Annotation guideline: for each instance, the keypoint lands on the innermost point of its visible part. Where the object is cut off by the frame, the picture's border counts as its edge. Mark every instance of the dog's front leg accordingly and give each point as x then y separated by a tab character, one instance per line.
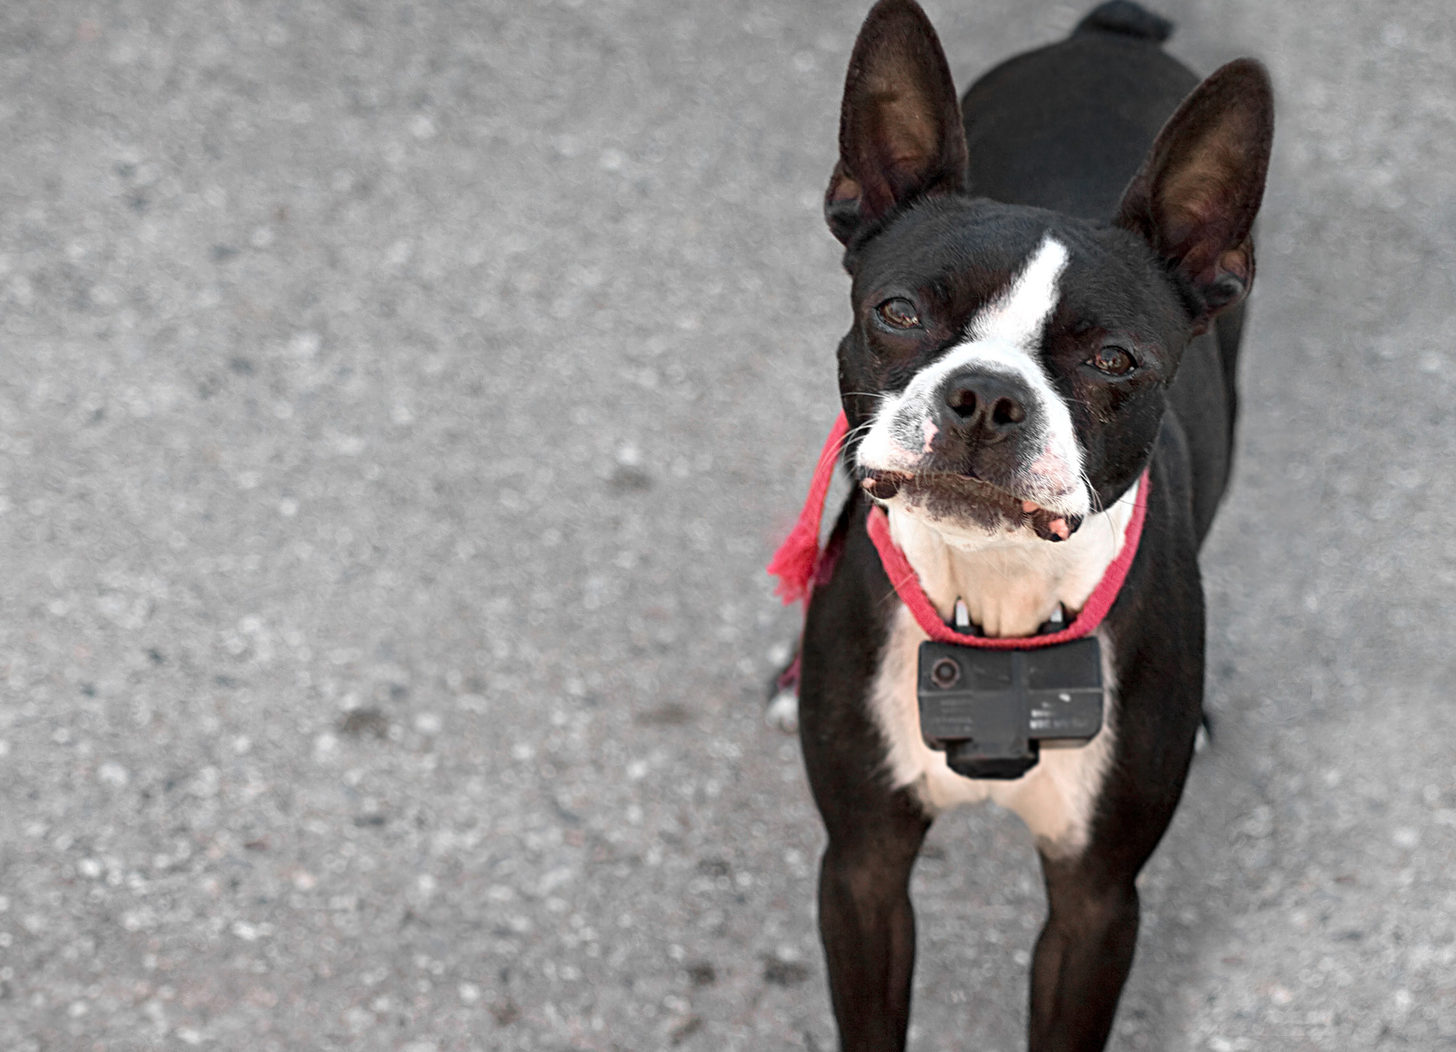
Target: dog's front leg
865	917
1086	947
1083	955
868	927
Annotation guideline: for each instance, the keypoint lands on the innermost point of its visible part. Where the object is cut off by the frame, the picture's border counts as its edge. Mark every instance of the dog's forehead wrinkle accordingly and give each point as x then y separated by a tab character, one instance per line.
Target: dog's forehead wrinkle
964	249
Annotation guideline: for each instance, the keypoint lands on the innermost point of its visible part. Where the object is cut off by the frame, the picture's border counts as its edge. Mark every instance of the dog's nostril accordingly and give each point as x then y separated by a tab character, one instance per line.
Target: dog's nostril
963	401
1007	411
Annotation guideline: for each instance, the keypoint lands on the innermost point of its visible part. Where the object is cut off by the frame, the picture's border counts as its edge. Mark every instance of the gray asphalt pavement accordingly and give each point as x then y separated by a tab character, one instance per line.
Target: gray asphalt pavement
398	402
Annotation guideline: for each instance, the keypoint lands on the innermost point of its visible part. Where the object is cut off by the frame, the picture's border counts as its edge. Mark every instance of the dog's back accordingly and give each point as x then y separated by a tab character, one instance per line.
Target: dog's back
1066	126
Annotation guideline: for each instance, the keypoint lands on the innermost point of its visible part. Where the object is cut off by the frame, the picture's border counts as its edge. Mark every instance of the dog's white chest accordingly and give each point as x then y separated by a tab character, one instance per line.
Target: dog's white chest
1055	799
1009	593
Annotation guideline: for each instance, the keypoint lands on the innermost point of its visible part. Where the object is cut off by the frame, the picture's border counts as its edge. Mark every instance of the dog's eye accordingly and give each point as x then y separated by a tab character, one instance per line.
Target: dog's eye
898	313
1114	361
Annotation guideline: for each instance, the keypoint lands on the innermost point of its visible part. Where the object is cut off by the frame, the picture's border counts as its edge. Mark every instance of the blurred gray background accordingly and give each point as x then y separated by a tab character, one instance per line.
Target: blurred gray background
398	402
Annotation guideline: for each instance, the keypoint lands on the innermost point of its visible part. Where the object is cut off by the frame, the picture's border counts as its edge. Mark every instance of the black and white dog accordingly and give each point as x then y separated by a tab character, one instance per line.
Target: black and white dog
1046	294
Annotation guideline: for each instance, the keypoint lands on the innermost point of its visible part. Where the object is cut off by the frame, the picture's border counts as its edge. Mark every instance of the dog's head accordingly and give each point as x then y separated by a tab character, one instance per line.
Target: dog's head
1007	367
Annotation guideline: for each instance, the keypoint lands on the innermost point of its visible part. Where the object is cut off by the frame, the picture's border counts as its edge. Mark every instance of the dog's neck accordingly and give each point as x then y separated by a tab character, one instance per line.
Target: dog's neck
1011	586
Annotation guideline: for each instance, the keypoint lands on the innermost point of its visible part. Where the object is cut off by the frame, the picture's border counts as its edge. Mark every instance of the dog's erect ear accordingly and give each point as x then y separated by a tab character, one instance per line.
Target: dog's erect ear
1195	198
900	132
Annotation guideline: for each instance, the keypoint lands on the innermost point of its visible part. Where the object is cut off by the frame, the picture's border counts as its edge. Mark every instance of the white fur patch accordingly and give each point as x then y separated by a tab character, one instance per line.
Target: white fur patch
1010	585
783	711
1004	337
1010	589
1019	315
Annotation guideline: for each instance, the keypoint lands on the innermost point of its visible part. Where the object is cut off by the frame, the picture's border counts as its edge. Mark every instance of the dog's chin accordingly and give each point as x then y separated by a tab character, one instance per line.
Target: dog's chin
969	506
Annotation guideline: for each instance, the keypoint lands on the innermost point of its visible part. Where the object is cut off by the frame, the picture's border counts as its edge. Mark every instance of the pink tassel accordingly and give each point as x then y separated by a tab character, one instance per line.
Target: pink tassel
798	557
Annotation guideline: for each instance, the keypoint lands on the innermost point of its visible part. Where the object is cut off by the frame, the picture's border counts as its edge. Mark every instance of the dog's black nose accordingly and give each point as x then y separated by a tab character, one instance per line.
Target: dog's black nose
990	406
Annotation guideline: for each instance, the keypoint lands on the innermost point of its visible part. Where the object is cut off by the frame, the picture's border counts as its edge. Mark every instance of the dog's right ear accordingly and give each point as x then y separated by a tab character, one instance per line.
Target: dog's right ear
900	133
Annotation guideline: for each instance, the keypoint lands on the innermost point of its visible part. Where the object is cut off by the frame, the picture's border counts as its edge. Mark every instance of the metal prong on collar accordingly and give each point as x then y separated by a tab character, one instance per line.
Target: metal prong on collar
1059	615
961	616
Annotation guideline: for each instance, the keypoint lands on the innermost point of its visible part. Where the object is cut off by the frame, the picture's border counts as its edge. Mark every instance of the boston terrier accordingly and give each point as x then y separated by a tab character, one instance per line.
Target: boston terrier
1038	408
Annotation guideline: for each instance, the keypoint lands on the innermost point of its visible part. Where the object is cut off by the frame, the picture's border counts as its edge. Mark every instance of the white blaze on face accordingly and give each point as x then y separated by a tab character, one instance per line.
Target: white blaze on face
1018	316
1005	337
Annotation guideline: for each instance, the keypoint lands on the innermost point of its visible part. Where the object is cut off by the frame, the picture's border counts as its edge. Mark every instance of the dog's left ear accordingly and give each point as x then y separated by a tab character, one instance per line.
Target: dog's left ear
1195	198
900	133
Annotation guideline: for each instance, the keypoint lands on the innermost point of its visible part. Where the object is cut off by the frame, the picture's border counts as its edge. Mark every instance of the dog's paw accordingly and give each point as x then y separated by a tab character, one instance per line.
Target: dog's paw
783	711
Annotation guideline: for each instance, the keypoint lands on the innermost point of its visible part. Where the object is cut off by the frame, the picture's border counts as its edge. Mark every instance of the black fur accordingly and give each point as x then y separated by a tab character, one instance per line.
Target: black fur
1121	16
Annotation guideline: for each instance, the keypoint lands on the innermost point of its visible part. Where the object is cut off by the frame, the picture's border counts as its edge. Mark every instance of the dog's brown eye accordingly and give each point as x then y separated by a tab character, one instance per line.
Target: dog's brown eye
898	313
1114	361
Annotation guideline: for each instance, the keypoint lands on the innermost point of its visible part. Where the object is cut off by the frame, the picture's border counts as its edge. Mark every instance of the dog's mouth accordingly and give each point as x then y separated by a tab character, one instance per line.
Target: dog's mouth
948	495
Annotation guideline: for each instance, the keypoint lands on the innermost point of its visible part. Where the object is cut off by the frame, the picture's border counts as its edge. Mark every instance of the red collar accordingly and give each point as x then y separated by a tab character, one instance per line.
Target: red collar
798	557
907	586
